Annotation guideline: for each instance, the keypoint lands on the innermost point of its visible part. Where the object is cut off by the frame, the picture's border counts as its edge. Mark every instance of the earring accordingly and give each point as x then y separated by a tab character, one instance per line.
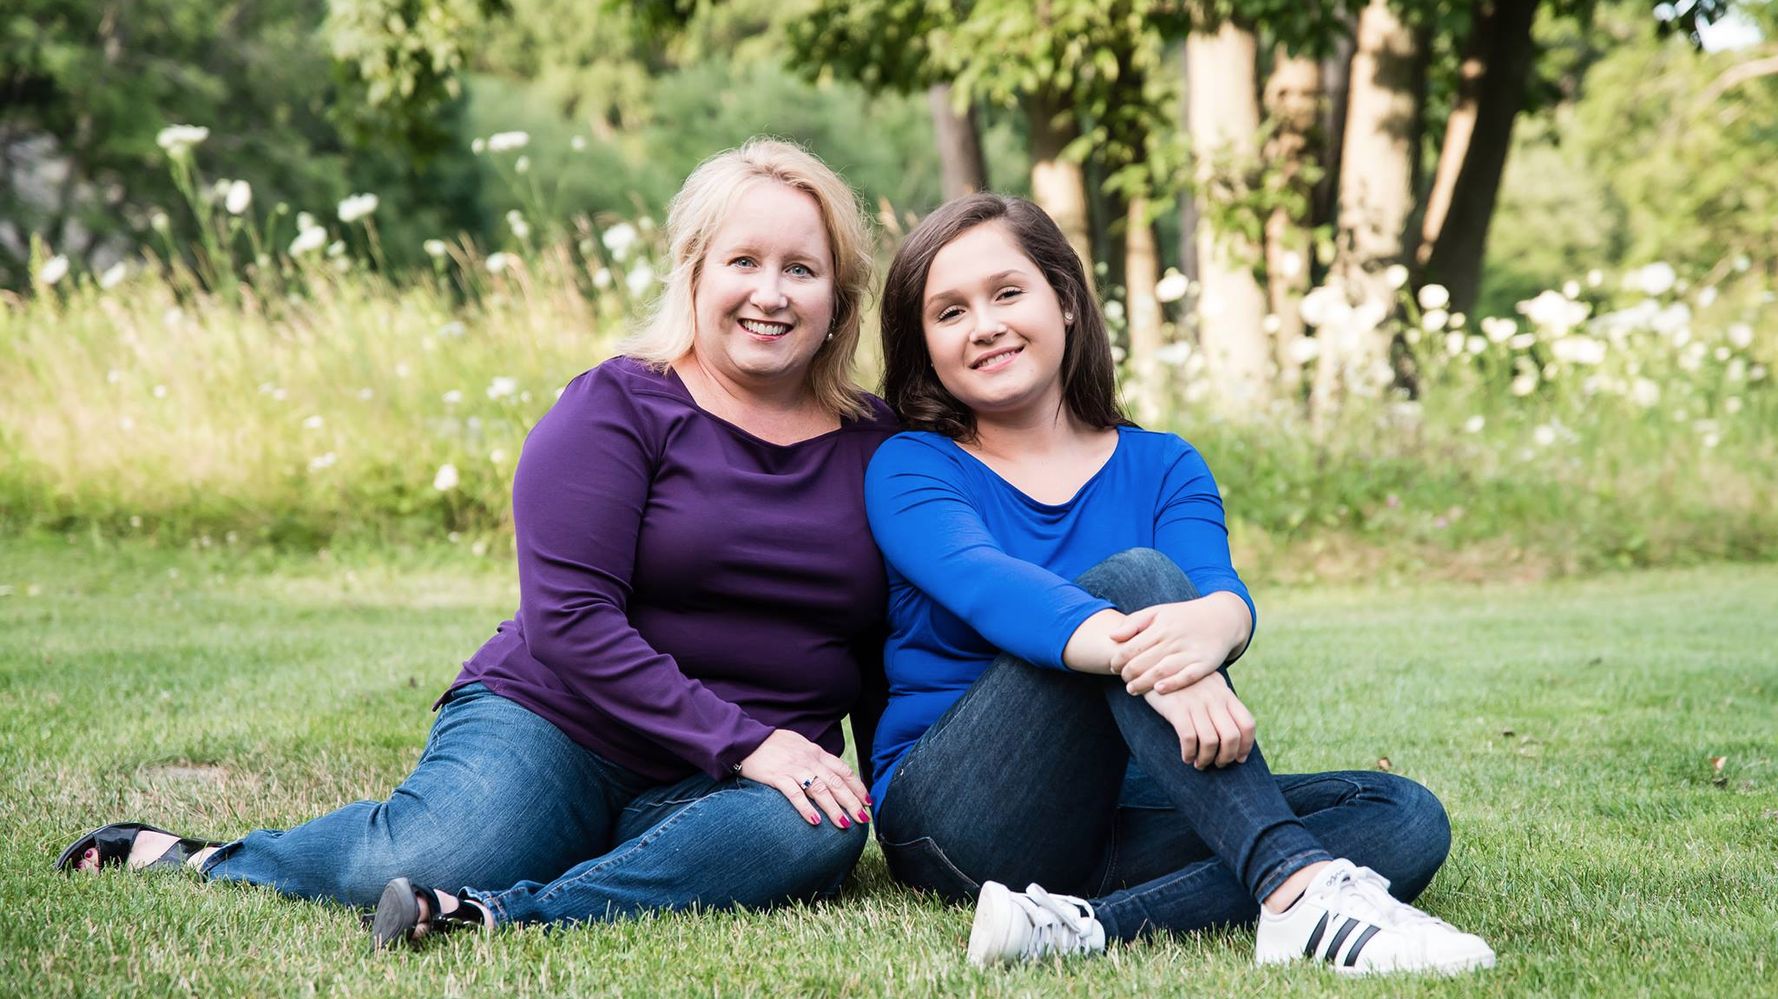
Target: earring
1067	317
830	336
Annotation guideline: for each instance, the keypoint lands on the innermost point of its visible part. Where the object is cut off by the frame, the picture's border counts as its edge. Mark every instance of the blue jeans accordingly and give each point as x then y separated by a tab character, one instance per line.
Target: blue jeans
1027	778
502	801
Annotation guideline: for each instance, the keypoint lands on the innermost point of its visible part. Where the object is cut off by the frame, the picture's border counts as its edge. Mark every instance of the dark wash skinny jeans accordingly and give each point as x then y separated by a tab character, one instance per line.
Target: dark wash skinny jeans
1023	780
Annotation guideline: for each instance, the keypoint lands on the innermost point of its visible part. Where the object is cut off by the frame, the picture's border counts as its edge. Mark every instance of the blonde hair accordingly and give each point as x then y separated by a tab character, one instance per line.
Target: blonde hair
698	211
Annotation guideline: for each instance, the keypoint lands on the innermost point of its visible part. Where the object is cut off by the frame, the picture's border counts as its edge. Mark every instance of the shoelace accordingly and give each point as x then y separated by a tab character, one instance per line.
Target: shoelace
1371	890
1057	923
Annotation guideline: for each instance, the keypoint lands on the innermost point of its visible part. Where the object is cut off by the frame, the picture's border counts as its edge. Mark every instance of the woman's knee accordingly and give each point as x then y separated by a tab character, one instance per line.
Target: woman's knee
1137	578
814	860
1421	835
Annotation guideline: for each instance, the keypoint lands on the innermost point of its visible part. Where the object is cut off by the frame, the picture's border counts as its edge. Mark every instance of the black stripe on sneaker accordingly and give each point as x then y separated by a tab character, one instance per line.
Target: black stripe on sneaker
1358	945
1315	937
1333	948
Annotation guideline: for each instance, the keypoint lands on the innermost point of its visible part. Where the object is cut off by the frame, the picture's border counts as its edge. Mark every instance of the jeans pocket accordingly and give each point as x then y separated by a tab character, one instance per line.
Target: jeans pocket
919	863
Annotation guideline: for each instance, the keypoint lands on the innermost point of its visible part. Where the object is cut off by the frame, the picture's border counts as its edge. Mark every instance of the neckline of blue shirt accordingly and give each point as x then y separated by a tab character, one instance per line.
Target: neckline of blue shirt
1027	498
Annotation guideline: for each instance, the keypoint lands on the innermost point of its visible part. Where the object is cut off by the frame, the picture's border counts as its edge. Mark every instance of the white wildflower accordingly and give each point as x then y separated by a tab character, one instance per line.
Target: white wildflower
1571	289
1524	384
178	140
1722	353
640	278
516	222
451	329
502	142
113	376
323	461
577	143
498	456
478	145
1395	275
238	198
1707	297
1498	329
1434	320
1741	336
159	391
1323	306
522	165
446	479
336	249
1454	343
1645	393
1578	350
308	241
502	386
1544	435
114	275
54	269
1655	279
1172	286
1732	405
1595	278
602	278
1757	373
452	397
313	423
1477	344
1474	424
498	262
1290	264
357	206
1114	311
1174	354
367	394
435	248
1433	296
1458	320
159	221
1553	313
618	239
1303	349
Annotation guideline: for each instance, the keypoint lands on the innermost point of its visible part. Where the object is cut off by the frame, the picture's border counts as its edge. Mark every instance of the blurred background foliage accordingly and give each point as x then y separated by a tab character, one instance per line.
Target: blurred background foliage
1298	214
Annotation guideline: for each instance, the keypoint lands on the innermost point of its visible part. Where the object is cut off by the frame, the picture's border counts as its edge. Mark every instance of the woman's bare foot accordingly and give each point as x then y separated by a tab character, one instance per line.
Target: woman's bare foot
449	904
148	847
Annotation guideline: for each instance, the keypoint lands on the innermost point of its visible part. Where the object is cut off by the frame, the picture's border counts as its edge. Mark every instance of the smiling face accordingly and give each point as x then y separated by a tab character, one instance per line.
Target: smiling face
764	299
994	326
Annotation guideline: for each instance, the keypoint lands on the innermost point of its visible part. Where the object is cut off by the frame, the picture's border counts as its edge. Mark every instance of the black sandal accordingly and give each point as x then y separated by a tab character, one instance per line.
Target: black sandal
398	915
114	843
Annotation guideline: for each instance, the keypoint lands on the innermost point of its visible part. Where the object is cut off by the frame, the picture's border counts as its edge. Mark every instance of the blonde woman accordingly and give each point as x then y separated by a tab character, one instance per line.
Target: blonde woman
700	604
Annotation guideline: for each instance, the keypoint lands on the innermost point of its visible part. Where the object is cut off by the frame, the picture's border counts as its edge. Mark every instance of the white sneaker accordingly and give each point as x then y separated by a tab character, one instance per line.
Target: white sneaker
1348	919
1016	926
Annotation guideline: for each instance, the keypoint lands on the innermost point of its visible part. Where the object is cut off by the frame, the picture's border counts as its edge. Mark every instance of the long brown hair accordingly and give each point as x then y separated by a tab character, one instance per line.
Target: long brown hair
911	386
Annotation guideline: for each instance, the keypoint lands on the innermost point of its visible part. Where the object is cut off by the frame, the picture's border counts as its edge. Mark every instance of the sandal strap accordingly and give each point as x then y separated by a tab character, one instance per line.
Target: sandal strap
114	843
467	912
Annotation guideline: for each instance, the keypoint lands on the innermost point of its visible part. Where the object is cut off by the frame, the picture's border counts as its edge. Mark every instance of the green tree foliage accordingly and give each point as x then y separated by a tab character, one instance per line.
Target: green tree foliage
86	85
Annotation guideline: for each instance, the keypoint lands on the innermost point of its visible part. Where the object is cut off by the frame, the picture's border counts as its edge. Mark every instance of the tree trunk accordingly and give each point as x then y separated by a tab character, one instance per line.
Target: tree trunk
1224	118
1336	81
1142	270
1057	184
1376	202
1496	64
1293	99
959	144
1188	207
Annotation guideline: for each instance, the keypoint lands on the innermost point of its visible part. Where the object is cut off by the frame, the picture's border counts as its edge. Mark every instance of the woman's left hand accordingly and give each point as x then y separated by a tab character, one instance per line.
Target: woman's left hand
1169	647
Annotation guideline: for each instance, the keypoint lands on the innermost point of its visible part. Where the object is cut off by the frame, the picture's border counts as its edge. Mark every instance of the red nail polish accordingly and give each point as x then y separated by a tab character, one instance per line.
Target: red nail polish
868	801
843	824
863	816
814	820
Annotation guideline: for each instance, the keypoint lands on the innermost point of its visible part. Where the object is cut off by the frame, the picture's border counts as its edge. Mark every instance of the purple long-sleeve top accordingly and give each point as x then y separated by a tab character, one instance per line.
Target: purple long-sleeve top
684	586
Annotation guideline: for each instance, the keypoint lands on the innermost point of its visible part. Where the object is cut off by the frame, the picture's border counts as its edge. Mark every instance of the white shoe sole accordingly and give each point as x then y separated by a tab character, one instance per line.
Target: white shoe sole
1475	962
989	936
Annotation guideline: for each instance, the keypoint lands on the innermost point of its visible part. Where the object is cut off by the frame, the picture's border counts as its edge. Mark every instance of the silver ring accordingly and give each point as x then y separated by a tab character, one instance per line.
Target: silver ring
809	781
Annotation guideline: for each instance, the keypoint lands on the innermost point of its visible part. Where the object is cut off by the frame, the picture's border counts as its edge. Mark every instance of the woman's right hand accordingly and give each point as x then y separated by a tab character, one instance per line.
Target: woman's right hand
1215	728
809	777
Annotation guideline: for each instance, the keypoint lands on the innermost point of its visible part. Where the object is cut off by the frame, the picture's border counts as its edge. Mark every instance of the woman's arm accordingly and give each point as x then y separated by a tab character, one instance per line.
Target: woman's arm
582	482
929	530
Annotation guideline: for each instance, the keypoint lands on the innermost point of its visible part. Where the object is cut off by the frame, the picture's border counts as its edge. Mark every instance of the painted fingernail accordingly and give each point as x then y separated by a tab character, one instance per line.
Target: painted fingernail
867	800
863	816
843	824
814	820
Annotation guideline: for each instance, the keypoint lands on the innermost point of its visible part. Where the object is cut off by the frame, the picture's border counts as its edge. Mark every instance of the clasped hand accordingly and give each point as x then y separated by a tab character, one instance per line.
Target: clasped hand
809	777
1171	646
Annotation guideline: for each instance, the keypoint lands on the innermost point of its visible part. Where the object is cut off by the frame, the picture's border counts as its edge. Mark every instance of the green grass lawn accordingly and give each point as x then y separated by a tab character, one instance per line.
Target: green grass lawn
1569	727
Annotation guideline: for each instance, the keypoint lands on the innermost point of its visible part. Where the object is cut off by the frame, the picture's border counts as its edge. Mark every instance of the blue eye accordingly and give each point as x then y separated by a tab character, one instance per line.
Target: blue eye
801	270
741	262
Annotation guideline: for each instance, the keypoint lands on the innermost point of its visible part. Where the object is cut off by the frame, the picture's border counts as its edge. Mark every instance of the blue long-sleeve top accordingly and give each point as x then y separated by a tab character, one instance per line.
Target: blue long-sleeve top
977	567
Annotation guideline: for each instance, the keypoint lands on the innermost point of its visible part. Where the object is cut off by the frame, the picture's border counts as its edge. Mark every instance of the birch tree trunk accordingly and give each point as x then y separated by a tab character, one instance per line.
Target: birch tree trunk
1293	99
1058	185
1376	198
1224	119
959	144
1142	271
